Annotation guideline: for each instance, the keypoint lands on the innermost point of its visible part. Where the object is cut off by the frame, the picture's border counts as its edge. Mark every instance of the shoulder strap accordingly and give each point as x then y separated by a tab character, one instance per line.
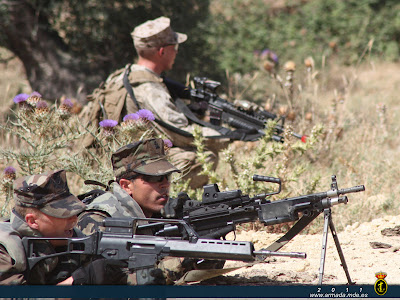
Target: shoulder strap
129	89
225	132
128	86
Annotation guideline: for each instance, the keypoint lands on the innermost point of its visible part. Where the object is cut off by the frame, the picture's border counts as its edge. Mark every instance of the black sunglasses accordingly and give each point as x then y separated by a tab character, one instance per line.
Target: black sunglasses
153	179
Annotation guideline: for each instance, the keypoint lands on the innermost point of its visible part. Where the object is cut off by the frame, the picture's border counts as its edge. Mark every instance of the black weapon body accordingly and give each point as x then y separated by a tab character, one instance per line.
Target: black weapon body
120	242
219	212
251	122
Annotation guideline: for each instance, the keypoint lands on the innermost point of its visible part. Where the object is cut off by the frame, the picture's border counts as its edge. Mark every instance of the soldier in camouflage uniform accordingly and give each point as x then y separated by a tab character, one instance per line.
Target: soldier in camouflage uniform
157	46
44	207
141	190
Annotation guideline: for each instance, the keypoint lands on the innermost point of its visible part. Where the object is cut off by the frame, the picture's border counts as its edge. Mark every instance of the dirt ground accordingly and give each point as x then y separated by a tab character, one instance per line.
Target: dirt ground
367	250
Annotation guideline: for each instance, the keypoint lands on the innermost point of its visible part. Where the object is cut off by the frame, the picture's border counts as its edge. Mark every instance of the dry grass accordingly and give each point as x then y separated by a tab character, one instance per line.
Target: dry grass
360	105
361	149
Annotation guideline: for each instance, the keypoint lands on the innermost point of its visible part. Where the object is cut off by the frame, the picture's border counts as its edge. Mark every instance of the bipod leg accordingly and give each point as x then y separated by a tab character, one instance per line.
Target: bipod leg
327	217
339	250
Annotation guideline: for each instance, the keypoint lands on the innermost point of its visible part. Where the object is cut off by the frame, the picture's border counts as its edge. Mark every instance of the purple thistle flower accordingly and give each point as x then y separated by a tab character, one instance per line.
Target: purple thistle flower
42	105
10	170
131	117
9	175
20	98
68	103
168	143
146	114
36	94
265	53
108	123
274	57
268	54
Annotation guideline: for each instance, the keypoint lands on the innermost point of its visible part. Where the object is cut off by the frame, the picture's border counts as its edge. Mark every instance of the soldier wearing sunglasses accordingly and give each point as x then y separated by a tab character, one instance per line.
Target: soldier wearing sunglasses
141	189
142	174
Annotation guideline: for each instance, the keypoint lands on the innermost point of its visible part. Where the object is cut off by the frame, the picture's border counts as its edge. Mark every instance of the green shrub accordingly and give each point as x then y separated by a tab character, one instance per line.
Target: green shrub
337	29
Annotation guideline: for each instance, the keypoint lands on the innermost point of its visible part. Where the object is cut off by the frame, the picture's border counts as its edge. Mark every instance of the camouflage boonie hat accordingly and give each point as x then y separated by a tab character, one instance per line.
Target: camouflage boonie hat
144	157
156	33
49	193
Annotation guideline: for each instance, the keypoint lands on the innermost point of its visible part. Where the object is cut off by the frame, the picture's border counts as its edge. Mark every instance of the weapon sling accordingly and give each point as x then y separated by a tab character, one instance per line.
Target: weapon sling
129	89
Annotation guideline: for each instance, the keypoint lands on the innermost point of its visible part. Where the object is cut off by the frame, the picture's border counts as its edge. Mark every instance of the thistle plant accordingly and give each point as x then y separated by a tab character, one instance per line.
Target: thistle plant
6	188
50	138
271	159
42	134
310	65
95	163
64	110
382	117
34	99
290	68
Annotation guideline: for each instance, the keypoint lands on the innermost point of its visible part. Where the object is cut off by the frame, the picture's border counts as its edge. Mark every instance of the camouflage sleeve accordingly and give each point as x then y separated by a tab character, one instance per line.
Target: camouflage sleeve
8	275
91	221
173	268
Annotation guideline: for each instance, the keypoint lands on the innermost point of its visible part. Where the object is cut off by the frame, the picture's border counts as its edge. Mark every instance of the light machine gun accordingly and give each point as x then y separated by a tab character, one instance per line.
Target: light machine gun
250	122
219	212
120	243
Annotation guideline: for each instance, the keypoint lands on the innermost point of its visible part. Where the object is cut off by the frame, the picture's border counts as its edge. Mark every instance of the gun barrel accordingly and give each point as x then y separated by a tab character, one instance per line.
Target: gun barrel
263	254
354	189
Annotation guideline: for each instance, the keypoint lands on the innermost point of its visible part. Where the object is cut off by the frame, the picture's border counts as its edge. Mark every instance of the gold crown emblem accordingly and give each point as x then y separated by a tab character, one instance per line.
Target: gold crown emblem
380	275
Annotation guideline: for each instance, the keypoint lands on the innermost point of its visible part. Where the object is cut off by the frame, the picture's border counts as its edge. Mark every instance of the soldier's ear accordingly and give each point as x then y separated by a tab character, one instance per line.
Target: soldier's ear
124	183
30	219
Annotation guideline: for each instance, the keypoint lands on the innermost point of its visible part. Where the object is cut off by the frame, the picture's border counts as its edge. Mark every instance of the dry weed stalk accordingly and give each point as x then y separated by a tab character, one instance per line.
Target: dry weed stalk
6	188
382	117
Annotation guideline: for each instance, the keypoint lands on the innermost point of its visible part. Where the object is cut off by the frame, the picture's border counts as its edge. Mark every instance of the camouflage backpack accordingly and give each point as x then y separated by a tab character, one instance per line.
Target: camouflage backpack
108	100
98	108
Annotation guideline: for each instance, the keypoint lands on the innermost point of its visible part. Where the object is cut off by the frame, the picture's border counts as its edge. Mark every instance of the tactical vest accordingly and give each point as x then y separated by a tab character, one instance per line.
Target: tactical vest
118	204
10	239
51	270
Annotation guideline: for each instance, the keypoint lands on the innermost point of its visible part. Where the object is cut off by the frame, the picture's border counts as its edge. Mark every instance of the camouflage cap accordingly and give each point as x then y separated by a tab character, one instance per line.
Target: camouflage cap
144	157
156	33
49	193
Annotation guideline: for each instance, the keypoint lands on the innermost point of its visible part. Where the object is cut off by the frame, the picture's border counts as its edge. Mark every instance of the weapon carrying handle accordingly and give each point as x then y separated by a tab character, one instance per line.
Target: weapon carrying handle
266	179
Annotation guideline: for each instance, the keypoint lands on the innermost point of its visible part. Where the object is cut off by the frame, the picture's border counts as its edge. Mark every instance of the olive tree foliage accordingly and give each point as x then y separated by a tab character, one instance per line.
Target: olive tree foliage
69	46
338	30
